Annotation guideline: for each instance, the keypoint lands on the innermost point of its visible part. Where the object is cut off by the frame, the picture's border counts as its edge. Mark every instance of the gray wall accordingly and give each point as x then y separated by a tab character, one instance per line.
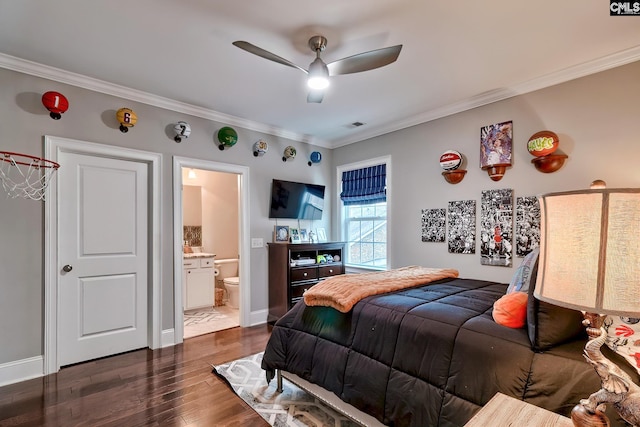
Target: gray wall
596	117
91	117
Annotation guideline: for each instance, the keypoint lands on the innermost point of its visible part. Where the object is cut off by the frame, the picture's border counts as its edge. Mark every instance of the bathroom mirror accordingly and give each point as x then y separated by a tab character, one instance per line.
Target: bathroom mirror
192	205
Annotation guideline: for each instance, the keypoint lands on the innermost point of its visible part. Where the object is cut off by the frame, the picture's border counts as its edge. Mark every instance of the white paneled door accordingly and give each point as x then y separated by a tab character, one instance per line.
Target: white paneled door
103	253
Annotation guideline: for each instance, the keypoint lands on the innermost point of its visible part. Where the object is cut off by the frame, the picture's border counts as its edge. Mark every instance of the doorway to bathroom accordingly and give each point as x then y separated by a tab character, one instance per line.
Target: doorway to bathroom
210	258
210	251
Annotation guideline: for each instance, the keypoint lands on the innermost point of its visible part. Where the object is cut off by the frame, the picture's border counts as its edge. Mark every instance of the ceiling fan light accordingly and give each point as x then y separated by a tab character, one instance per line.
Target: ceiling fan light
318	75
318	83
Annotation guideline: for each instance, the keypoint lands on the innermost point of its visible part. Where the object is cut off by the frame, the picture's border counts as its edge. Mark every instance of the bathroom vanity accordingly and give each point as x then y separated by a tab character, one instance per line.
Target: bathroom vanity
198	280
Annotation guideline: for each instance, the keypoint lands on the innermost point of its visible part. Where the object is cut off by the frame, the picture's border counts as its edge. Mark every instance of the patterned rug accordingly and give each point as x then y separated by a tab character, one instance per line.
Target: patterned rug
292	407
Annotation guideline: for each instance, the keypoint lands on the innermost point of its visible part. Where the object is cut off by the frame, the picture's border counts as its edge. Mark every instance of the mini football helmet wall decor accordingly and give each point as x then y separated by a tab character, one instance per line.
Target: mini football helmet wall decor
182	130
56	103
289	153
260	148
227	137
315	157
127	119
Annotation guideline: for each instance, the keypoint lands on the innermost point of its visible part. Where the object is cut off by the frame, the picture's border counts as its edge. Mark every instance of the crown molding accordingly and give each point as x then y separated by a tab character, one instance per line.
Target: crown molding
51	73
601	64
58	75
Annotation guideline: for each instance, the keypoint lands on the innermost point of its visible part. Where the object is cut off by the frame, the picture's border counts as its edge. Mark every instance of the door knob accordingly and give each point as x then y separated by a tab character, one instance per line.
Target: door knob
67	268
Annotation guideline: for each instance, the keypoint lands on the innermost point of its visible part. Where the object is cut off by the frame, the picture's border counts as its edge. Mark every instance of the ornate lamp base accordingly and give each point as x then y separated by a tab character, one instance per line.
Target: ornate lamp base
581	417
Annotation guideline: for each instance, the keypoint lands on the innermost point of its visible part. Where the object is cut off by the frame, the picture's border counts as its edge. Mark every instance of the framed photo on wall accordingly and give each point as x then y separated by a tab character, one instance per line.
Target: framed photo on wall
496	144
281	233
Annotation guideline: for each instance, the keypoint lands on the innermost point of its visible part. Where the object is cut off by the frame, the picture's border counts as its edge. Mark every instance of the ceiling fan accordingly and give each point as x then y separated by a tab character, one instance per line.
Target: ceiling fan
319	72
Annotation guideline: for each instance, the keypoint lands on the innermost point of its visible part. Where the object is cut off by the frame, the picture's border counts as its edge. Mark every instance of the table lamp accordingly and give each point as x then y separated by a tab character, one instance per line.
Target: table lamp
590	261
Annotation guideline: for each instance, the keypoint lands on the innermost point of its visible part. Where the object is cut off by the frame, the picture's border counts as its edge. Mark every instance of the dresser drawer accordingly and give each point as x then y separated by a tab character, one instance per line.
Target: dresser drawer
297	291
329	270
300	274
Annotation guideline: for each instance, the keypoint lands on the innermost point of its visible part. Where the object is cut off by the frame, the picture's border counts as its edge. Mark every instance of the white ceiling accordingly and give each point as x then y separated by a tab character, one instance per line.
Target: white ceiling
178	54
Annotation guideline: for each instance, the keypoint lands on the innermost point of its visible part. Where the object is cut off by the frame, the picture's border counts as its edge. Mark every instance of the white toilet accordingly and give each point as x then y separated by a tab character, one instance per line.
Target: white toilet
227	271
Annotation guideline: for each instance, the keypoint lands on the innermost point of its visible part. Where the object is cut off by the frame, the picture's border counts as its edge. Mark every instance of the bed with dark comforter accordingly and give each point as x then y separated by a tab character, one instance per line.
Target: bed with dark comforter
432	355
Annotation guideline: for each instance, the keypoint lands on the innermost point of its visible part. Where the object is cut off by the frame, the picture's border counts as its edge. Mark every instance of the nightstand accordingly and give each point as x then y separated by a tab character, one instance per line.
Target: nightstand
503	410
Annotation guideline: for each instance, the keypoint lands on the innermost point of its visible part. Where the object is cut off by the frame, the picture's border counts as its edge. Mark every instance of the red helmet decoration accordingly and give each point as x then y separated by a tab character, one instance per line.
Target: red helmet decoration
56	103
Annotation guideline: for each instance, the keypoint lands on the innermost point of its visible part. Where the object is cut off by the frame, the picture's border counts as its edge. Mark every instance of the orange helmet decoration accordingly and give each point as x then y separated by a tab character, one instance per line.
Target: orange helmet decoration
56	103
543	143
127	118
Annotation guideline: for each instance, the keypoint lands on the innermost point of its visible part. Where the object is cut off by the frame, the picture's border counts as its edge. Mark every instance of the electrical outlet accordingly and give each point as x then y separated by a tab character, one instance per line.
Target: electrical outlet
257	242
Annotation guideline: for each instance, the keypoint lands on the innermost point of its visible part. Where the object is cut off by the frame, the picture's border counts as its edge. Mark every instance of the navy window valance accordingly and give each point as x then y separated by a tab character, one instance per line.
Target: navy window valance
364	186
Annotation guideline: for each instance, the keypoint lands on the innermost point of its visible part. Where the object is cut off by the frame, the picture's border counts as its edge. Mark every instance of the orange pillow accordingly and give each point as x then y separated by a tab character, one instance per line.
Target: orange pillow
511	310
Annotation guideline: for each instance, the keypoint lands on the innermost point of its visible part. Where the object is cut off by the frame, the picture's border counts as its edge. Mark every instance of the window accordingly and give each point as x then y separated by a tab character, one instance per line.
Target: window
364	197
366	227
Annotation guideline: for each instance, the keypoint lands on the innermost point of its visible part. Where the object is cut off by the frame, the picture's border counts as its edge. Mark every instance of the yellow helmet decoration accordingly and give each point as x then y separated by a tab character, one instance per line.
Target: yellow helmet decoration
127	118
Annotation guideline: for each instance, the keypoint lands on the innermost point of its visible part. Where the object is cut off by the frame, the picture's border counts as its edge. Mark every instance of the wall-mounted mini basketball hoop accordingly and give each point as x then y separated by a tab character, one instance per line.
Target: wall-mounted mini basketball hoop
26	176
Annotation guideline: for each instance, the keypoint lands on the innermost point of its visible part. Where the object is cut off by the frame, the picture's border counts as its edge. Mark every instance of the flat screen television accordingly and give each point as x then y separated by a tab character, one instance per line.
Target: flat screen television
296	200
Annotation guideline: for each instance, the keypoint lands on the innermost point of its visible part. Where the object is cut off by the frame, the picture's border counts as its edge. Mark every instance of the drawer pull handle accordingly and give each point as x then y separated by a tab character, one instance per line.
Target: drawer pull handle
330	271
304	291
304	274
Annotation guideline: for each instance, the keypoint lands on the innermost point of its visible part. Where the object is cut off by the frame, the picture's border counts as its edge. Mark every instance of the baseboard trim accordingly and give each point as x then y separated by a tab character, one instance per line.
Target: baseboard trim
167	338
21	370
258	317
33	367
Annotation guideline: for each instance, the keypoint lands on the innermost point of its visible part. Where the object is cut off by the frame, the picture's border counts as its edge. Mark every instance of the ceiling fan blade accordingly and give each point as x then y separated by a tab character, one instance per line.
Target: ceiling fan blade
266	54
365	61
315	95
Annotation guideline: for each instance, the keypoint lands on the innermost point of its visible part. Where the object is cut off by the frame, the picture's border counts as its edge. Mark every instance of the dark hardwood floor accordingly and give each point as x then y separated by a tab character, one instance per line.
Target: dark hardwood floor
172	386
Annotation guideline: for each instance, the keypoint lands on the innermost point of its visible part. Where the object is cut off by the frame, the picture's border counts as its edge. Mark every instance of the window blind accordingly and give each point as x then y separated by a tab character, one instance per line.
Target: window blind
364	186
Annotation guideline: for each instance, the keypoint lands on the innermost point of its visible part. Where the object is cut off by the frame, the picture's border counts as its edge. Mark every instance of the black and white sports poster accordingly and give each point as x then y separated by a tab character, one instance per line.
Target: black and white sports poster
527	225
433	225
461	236
496	227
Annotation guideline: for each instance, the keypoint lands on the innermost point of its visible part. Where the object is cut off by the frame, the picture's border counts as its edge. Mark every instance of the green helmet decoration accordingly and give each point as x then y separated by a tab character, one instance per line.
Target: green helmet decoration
227	137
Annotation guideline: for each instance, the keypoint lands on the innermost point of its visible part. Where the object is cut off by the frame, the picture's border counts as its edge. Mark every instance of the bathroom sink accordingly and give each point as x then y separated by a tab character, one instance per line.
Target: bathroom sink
198	255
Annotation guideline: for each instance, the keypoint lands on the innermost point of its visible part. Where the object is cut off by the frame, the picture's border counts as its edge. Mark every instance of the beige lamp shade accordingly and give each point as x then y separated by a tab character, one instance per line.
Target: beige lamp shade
590	251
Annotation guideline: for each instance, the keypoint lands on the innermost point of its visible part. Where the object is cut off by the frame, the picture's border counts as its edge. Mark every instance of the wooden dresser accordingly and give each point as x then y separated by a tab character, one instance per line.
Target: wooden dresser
293	268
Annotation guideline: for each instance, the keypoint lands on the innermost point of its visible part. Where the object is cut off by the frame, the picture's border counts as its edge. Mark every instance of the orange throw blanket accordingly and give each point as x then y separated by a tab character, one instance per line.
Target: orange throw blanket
344	291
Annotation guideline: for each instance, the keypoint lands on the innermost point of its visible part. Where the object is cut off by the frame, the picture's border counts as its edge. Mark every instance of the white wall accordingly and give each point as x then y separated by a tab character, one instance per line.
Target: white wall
597	119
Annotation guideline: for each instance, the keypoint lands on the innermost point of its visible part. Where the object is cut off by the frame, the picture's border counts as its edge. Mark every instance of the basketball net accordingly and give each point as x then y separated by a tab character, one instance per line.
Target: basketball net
25	176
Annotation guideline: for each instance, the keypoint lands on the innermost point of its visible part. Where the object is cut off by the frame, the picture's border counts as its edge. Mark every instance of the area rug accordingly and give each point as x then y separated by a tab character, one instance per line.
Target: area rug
292	407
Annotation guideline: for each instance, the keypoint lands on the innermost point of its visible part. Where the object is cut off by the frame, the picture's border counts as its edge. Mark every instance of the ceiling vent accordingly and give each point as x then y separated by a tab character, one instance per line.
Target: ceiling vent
355	125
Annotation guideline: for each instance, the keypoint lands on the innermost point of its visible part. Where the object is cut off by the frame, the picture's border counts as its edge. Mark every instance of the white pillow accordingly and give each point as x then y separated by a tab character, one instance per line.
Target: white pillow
520	281
623	337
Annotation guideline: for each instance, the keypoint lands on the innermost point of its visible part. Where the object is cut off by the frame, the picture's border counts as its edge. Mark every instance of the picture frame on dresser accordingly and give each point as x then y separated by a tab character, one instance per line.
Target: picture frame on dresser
322	235
294	234
304	236
281	234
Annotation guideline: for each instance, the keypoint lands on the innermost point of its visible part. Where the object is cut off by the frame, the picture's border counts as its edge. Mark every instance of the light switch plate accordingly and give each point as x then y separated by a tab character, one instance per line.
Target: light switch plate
257	242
